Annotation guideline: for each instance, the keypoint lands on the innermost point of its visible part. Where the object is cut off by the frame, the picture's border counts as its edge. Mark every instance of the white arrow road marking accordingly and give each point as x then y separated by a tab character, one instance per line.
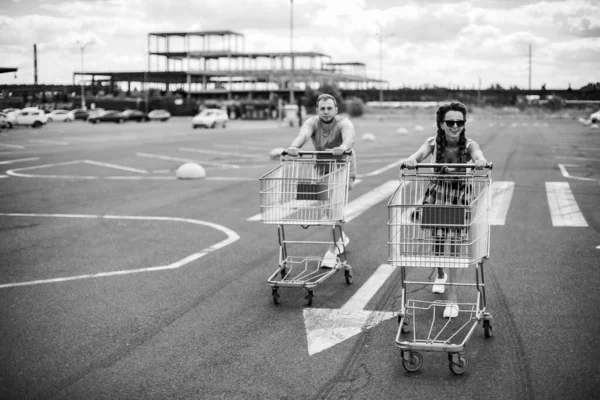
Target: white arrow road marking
221	153
563	207
12	146
17	172
502	193
563	170
231	237
141	171
327	327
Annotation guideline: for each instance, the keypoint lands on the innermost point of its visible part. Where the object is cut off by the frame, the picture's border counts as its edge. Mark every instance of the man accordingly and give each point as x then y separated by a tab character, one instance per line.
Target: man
329	131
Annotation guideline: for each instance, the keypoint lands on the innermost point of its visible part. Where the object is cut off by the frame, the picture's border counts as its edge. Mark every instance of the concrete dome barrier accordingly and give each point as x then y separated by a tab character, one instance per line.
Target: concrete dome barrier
190	170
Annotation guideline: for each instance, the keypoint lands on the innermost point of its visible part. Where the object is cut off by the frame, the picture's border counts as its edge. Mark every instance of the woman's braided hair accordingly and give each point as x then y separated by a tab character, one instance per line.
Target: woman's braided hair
440	139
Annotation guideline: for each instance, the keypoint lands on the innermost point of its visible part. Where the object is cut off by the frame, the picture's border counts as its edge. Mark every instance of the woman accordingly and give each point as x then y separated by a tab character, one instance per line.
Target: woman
449	146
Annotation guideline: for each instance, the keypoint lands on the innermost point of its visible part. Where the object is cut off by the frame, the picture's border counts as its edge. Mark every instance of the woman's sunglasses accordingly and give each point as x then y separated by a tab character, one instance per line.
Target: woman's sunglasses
451	123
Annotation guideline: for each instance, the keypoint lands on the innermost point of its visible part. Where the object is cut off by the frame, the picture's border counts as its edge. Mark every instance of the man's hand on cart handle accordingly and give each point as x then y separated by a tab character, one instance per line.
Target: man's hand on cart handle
409	163
338	151
291	151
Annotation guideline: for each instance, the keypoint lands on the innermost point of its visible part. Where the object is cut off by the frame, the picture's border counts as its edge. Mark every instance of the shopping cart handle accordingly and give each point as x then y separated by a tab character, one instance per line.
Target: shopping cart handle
314	152
488	165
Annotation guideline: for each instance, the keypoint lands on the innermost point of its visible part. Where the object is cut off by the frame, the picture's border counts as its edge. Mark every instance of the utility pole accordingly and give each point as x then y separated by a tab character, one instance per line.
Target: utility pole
381	63
293	78
82	47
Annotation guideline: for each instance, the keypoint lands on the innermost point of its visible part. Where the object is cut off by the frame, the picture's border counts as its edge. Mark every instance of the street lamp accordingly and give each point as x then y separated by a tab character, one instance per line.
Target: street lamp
292	79
82	47
381	37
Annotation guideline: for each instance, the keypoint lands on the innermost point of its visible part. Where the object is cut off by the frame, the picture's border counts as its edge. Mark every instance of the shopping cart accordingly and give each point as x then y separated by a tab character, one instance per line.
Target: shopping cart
451	232
311	189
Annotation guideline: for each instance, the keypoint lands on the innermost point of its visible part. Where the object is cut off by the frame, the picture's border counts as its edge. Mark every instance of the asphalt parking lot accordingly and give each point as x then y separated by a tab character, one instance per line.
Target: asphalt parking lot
119	280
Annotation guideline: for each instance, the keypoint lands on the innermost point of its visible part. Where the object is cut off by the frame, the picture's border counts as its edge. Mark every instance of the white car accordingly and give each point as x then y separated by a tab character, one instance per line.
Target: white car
210	118
61	115
31	116
595	117
7	120
160	115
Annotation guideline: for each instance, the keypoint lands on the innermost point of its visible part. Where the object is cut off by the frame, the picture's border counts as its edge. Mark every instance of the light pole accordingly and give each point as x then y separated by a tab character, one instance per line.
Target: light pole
82	47
381	61
292	79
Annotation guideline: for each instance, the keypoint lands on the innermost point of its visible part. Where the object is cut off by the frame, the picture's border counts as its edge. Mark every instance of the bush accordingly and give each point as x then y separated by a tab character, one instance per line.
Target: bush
355	107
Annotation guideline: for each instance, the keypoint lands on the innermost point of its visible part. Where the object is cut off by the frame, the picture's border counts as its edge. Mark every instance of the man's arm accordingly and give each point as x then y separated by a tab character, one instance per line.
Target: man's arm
303	136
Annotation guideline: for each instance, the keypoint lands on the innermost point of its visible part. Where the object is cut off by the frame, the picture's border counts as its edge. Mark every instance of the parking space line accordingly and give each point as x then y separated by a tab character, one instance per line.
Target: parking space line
564	210
179	159
231	238
220	153
51	142
13	146
563	171
19	160
502	193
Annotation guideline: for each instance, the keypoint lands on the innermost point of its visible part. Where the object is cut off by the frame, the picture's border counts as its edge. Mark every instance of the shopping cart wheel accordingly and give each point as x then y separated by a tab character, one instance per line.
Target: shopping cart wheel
414	361
348	276
458	363
405	328
276	295
309	297
487	328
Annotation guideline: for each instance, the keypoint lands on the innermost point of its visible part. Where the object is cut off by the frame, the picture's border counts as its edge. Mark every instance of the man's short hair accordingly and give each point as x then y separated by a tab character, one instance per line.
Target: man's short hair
326	96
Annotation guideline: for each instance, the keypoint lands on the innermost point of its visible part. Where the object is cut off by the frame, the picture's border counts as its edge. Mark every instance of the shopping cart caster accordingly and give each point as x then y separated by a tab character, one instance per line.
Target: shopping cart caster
275	294
487	328
309	297
349	277
458	363
405	328
412	360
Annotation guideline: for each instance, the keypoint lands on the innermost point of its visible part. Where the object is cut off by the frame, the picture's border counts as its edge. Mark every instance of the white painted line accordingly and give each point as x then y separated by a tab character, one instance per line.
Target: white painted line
19	160
380	170
235	146
231	237
563	207
360	299
564	173
141	171
85	139
502	193
52	142
221	153
13	146
3	176
576	158
368	200
178	159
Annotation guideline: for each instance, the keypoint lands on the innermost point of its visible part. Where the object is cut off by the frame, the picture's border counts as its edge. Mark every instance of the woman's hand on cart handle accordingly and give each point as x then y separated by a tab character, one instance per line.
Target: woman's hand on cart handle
409	163
412	164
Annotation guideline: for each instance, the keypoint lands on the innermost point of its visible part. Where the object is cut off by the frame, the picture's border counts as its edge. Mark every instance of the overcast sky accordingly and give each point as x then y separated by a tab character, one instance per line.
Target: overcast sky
434	42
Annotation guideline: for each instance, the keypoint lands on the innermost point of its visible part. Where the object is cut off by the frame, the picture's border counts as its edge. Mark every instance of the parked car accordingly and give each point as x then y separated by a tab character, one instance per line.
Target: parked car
7	120
10	110
210	118
107	116
61	115
136	115
595	117
160	115
31	116
81	114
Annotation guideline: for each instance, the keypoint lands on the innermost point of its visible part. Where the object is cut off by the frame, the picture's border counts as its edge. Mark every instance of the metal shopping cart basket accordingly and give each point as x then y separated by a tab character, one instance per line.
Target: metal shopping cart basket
311	189
439	218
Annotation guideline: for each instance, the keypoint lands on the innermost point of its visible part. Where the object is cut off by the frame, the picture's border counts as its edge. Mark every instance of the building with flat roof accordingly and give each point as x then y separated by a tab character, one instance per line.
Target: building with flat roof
214	64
